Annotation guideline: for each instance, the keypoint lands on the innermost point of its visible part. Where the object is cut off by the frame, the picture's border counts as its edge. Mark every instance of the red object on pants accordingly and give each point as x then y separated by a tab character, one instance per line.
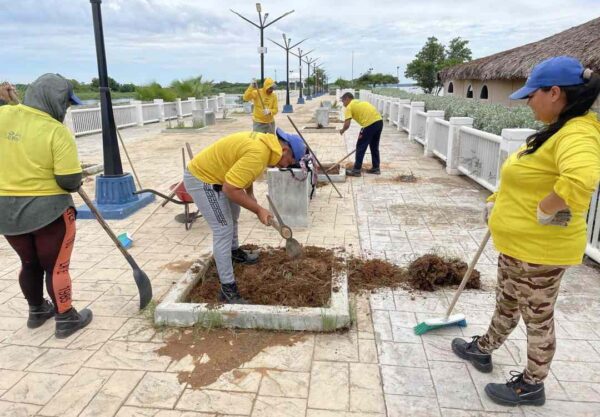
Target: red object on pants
47	250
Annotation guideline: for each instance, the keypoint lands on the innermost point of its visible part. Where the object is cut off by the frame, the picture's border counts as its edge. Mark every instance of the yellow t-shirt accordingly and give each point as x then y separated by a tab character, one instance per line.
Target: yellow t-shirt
237	159
569	164
34	148
269	100
363	112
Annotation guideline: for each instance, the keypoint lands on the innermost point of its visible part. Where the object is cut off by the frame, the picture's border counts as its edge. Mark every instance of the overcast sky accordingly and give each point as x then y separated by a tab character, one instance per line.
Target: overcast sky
164	40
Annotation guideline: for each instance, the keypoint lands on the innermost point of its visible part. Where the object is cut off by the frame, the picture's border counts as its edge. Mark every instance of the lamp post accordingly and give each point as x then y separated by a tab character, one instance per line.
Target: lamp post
300	55
287	46
309	62
398	74
115	198
316	75
261	27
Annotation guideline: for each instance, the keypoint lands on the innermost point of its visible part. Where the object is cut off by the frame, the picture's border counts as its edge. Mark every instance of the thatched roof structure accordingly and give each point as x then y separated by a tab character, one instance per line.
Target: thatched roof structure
581	42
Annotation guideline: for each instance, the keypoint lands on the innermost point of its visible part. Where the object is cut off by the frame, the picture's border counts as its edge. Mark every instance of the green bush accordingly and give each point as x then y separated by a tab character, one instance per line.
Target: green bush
488	117
155	90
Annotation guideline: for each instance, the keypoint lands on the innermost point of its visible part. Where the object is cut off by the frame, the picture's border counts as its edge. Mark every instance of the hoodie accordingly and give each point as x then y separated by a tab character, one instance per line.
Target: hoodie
568	163
238	159
50	94
269	100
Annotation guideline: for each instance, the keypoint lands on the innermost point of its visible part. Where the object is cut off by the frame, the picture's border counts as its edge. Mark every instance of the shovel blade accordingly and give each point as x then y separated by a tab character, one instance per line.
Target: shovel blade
144	287
293	249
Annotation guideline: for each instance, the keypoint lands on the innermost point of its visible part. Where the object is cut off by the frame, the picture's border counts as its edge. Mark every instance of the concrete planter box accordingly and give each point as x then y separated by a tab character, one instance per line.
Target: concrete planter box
341	177
174	311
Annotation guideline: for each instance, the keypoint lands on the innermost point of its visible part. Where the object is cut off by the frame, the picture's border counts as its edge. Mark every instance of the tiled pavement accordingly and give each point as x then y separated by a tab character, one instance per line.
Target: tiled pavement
378	368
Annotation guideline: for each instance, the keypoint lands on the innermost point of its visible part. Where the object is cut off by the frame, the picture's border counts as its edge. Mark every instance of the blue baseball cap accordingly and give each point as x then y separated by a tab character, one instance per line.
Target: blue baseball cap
295	142
74	99
559	70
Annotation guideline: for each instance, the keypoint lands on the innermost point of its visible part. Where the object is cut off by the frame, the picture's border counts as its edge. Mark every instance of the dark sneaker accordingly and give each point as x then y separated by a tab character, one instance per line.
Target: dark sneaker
516	392
229	294
69	322
375	171
39	314
469	351
244	256
353	173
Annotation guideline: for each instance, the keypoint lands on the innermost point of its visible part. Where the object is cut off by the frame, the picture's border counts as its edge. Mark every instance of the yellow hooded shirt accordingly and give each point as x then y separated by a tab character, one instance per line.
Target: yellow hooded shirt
269	100
568	163
237	159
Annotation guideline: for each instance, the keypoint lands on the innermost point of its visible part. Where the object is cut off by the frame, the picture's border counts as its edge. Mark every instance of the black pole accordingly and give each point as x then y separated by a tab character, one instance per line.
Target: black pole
287	81
110	145
262	56
300	61
307	77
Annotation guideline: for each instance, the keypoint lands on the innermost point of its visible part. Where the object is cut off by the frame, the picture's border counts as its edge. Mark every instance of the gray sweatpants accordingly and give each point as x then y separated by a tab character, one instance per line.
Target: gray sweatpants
263	127
222	215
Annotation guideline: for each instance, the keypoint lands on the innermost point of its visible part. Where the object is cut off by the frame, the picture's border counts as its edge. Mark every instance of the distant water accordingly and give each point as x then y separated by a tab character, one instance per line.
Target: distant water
91	103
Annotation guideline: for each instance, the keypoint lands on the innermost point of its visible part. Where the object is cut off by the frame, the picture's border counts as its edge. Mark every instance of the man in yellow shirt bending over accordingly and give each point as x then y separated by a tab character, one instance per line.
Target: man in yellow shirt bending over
265	106
369	119
220	179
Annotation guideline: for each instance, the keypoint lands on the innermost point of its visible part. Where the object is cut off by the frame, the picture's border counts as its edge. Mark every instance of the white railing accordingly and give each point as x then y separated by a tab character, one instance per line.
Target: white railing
394	108
593	227
151	113
170	110
125	116
439	136
186	108
404	119
478	156
418	130
86	121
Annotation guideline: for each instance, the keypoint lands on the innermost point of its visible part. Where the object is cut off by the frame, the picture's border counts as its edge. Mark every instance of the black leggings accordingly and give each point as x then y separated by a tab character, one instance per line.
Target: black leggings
47	250
368	138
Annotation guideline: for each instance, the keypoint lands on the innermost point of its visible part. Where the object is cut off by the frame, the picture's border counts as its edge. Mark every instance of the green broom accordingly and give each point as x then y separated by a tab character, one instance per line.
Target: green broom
455	319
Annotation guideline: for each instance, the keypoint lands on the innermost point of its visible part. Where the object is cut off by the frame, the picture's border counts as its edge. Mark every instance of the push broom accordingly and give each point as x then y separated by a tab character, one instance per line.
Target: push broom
455	319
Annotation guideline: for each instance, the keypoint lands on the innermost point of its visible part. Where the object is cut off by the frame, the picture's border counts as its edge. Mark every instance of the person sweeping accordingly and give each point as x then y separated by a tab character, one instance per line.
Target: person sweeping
265	105
220	180
39	168
538	224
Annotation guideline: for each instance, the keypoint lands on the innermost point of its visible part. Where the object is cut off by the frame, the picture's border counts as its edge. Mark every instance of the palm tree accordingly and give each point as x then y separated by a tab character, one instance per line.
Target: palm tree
192	87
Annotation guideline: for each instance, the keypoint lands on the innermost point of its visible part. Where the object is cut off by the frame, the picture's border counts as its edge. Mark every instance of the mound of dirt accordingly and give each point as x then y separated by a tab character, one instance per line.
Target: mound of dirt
405	178
431	271
371	274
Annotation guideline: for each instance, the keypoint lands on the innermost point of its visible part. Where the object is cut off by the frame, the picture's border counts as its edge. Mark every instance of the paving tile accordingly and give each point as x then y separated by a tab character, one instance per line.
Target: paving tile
238	380
407	381
576	371
291	358
60	361
77	393
554	408
18	358
91	339
336	347
438	348
18	410
382	300
284	384
582	391
156	389
36	388
279	407
401	406
135	330
216	402
32	337
329	386
402	354
454	386
381	325
9	378
449	412
129	355
367	351
113	394
327	413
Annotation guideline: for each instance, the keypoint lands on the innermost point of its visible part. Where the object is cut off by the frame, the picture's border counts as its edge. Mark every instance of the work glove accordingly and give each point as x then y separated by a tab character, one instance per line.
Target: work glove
487	211
266	112
254	84
560	218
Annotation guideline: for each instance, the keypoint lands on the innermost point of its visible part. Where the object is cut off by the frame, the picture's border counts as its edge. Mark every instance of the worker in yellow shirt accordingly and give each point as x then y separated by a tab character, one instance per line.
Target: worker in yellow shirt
265	105
538	222
367	116
220	179
39	168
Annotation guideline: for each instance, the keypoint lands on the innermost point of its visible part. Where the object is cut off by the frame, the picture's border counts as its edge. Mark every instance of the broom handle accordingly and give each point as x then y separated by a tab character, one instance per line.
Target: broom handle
340	161
465	279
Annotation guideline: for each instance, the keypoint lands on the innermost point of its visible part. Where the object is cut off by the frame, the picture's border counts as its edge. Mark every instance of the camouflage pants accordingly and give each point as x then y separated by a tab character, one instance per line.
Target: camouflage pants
527	290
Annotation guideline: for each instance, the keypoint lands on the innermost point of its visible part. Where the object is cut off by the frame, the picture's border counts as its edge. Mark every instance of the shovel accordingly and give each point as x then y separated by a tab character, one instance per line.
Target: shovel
293	249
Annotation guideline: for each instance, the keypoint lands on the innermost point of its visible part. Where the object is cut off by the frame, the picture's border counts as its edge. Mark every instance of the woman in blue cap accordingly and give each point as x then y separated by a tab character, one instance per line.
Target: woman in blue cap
538	224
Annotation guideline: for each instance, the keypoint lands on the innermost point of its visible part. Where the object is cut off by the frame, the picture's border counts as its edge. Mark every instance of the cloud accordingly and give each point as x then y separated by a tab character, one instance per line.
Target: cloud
164	40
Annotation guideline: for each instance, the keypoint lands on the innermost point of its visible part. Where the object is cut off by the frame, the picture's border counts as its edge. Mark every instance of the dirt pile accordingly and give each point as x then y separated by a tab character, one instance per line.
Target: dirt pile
332	171
431	271
371	274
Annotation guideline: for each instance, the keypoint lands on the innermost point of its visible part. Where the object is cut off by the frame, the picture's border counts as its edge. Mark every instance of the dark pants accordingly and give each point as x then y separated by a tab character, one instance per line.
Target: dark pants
47	250
368	138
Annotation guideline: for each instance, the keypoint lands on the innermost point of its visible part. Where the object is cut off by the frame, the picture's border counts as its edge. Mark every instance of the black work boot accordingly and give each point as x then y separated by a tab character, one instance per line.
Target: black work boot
39	314
70	321
375	171
353	173
244	257
516	392
229	294
468	350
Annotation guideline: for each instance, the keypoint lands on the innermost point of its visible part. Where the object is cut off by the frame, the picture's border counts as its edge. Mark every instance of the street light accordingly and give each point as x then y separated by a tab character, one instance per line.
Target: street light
300	55
398	74
262	26
309	62
287	42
